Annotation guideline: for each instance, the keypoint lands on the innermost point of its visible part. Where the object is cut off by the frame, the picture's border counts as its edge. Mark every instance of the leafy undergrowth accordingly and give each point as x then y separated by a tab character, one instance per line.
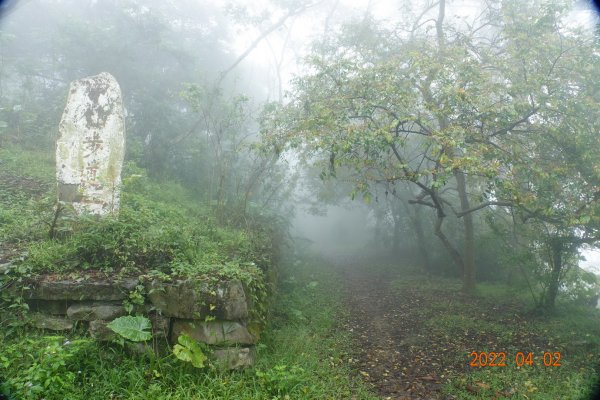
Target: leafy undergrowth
563	346
25	181
302	356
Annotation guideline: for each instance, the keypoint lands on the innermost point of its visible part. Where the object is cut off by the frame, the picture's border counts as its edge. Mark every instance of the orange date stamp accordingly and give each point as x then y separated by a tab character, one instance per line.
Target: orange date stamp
480	359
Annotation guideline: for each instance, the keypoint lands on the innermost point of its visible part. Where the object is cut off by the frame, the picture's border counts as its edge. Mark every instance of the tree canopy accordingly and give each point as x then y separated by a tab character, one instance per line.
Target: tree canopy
500	114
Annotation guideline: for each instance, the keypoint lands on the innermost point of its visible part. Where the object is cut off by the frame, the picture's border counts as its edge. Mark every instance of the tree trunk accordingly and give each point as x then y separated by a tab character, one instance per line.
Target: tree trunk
469	245
397	231
420	238
454	254
550	299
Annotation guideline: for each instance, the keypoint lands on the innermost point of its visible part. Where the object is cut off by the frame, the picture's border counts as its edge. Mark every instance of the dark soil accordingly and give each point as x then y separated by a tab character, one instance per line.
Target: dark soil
404	357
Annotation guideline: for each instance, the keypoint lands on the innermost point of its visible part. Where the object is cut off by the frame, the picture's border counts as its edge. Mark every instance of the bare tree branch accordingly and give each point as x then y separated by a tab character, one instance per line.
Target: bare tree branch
484	205
422	202
263	35
516	123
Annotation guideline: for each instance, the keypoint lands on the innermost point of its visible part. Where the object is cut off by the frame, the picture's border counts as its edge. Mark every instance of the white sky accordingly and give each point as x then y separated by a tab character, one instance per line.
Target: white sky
310	25
592	262
302	30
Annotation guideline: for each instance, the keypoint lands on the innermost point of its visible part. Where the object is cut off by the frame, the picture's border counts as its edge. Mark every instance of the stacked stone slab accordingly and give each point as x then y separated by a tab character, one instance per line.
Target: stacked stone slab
217	315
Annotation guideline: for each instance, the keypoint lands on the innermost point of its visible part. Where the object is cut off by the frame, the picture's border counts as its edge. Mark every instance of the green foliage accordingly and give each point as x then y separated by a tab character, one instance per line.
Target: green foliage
581	286
25	201
46	366
188	350
28	163
135	298
505	294
281	380
135	329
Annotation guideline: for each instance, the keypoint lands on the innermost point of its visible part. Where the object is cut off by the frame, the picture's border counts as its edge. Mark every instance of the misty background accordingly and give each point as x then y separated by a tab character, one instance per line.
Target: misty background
196	77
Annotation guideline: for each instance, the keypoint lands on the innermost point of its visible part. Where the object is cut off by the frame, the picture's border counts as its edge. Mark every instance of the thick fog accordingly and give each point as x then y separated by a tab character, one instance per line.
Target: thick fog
339	231
180	60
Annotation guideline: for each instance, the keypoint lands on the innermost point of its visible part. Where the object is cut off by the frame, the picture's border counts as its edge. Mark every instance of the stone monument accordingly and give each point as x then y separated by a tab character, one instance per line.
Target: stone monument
91	146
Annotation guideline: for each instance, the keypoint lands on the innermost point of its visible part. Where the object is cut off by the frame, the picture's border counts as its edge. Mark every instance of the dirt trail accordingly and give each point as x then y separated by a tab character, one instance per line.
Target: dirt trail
397	354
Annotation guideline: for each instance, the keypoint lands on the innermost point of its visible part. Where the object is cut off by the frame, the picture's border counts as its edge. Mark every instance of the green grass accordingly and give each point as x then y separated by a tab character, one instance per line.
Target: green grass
533	383
301	356
25	179
499	293
459	324
35	164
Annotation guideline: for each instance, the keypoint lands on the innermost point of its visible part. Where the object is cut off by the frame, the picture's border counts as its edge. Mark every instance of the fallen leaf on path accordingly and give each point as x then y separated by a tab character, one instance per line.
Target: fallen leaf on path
472	389
483	385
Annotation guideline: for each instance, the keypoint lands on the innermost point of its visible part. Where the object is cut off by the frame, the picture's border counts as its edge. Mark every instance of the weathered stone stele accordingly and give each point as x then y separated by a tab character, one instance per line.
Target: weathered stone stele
91	146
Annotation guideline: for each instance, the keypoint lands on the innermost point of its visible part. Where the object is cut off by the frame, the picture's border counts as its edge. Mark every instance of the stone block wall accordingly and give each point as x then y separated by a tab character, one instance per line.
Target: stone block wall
218	315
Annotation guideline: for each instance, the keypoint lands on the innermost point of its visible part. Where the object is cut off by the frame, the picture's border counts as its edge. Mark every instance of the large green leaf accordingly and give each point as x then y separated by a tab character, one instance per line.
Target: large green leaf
189	350
132	328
